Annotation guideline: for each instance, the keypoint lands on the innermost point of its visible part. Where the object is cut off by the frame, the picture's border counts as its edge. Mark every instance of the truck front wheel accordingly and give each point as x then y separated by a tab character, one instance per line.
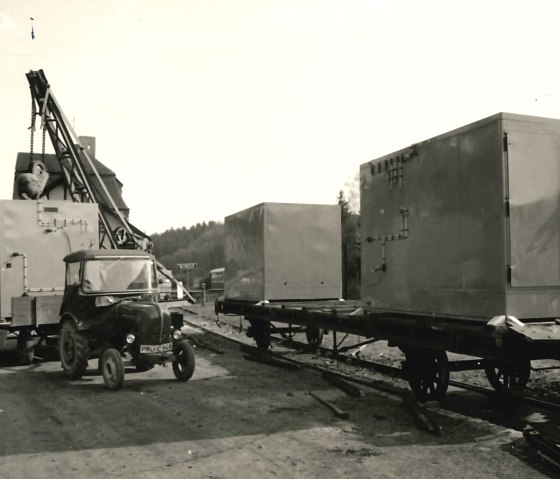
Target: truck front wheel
112	368
74	351
183	366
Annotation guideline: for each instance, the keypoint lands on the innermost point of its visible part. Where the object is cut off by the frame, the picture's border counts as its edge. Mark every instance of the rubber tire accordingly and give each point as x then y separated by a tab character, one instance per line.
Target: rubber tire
183	367
73	350
25	348
112	369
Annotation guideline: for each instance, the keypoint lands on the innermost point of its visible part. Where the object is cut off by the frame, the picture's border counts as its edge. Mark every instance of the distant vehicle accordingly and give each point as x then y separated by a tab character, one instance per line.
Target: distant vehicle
217	278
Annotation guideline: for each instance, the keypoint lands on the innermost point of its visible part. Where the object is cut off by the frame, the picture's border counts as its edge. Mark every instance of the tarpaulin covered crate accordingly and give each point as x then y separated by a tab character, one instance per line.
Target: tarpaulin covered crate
467	223
279	251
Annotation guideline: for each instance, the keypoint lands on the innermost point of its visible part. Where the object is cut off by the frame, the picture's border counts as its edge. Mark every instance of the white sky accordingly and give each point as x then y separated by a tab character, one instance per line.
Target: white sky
204	108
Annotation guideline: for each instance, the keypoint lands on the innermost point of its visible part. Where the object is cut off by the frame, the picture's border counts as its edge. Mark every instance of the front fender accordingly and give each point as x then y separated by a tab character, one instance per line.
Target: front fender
72	318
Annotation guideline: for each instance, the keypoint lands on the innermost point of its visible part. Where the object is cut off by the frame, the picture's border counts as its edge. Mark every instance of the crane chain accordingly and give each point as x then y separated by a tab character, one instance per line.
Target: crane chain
32	129
43	141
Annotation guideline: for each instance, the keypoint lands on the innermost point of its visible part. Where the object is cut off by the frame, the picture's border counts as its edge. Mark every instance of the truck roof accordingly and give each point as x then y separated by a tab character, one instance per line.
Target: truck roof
87	254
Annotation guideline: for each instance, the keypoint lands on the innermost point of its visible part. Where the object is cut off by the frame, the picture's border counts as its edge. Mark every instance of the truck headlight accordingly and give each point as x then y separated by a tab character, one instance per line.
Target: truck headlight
177	334
130	338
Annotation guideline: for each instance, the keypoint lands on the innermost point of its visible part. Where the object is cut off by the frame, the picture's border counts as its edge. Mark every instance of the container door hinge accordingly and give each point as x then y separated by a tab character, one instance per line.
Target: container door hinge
508	273
507	208
505	141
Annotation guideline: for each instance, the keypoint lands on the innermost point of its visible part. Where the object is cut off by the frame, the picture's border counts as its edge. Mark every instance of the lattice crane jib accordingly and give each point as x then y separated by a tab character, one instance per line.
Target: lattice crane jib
77	167
115	232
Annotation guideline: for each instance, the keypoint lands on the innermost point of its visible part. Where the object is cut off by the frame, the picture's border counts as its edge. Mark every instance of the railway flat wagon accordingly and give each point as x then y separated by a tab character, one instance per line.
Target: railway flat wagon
277	253
460	239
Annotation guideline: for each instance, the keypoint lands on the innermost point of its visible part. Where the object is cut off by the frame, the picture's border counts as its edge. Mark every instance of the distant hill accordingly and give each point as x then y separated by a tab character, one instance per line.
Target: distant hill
202	244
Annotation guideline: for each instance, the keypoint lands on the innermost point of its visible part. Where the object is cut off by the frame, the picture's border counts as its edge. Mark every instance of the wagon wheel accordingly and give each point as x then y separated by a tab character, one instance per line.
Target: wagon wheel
314	337
427	373
260	332
509	376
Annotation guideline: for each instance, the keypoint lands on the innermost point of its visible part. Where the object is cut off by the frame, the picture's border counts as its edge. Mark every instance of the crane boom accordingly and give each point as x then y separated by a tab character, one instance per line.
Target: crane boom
75	162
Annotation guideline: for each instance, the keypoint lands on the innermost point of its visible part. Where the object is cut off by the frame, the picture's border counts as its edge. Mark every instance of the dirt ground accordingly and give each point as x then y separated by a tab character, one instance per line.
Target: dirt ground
236	419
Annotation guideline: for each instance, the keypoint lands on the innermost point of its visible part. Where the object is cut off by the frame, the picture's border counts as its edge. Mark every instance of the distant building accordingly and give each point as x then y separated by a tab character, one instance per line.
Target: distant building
56	189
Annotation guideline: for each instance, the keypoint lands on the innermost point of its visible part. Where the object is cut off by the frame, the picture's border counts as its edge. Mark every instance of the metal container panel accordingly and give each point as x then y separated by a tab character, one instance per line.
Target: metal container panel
533	156
534	188
23	311
47	309
45	231
459	242
303	248
284	251
244	254
449	194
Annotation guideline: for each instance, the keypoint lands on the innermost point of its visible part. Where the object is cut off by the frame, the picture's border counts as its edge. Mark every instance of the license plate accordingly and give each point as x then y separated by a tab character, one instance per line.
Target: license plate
155	348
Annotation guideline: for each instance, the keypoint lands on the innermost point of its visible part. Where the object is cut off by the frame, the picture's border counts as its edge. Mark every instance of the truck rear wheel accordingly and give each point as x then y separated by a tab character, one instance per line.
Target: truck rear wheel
112	368
74	351
183	366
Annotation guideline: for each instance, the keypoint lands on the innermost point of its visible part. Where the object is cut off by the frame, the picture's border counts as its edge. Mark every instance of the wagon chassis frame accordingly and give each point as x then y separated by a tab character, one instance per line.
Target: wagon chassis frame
503	349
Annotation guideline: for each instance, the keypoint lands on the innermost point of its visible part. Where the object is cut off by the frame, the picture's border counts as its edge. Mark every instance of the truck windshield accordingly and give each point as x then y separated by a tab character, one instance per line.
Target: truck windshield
114	275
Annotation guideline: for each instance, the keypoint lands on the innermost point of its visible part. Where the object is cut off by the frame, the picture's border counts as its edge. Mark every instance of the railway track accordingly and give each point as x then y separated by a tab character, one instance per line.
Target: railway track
347	368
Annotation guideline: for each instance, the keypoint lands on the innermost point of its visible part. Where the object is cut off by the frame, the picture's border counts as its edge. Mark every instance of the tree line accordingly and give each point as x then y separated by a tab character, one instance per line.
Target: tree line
203	244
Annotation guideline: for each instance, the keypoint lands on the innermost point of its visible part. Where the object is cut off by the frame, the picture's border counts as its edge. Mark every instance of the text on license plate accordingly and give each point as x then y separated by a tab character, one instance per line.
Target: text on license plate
155	348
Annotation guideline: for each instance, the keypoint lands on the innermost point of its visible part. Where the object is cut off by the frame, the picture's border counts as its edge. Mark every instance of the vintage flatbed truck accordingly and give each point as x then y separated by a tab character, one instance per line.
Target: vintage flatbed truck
460	252
60	292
